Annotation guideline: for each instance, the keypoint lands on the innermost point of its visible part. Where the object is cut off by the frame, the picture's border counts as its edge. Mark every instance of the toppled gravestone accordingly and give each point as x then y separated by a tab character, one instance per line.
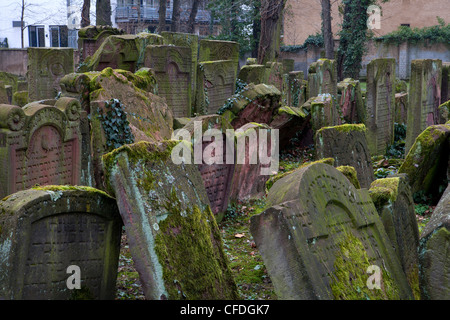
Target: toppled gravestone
393	199
347	144
320	238
40	144
434	258
427	161
47	233
173	236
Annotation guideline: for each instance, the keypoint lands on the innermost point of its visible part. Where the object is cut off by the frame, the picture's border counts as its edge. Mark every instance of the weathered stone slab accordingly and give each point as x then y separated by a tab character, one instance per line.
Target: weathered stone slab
274	75
424	97
401	108
47	229
46	67
350	100
90	39
252	73
323	112
347	144
445	85
322	78
173	236
394	202
294	89
39	144
172	67
214	50
427	160
216	82
380	101
320	236
434	258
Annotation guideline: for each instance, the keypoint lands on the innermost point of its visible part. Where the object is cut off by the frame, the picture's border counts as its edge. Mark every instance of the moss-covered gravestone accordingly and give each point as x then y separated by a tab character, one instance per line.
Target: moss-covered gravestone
173	236
39	144
427	160
322	78
324	112
252	73
45	69
294	89
47	231
347	144
172	66
214	50
322	238
424	97
393	199
350	101
90	39
445	85
274	75
216	82
434	257
401	108
380	102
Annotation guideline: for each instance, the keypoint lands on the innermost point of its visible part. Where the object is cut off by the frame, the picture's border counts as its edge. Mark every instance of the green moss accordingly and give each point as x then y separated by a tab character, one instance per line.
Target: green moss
82	294
207	275
351	174
68	187
345	128
349	279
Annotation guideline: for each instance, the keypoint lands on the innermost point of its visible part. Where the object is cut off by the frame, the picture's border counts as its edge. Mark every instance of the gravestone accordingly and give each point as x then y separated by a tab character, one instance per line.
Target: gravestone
445	88
401	108
40	144
214	50
322	78
90	39
216	81
173	236
394	202
323	112
274	75
380	101
254	166
185	40
347	144
252	73
427	160
172	67
45	69
434	258
424	97
46	230
319	237
294	90
350	100
217	175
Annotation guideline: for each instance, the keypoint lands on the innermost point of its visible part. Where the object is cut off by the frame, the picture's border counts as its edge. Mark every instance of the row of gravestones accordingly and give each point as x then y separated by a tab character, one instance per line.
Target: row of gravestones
128	179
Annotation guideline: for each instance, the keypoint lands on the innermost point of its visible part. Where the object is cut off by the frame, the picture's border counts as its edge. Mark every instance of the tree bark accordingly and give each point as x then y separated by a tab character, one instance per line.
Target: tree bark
85	17
271	18
326	29
22	23
162	16
103	12
192	16
256	30
176	12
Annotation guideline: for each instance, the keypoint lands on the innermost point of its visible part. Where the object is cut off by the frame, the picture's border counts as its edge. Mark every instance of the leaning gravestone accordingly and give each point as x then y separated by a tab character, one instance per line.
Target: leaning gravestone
424	97
45	69
216	81
90	39
380	100
434	257
426	163
46	230
347	144
320	237
40	144
214	50
172	67
394	202
322	78
173	236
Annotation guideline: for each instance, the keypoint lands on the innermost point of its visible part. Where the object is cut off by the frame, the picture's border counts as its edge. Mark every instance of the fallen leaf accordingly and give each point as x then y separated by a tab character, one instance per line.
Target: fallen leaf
239	235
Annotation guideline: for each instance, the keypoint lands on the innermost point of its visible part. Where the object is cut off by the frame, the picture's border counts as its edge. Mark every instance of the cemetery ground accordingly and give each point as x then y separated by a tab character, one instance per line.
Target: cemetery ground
245	261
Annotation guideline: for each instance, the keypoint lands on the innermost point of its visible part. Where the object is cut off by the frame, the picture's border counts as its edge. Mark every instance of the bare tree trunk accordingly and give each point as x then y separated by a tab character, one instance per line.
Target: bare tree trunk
85	17
271	18
103	12
22	23
192	15
326	29
162	16
256	28
176	12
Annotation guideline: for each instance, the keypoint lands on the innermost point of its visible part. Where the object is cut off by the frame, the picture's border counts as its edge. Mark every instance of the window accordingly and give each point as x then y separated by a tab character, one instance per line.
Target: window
36	36
59	36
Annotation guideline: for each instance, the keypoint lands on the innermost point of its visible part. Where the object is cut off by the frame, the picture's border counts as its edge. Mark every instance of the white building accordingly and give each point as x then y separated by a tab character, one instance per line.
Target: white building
47	23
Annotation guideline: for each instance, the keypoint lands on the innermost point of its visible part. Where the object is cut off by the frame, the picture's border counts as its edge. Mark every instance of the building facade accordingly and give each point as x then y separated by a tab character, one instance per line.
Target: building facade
303	17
